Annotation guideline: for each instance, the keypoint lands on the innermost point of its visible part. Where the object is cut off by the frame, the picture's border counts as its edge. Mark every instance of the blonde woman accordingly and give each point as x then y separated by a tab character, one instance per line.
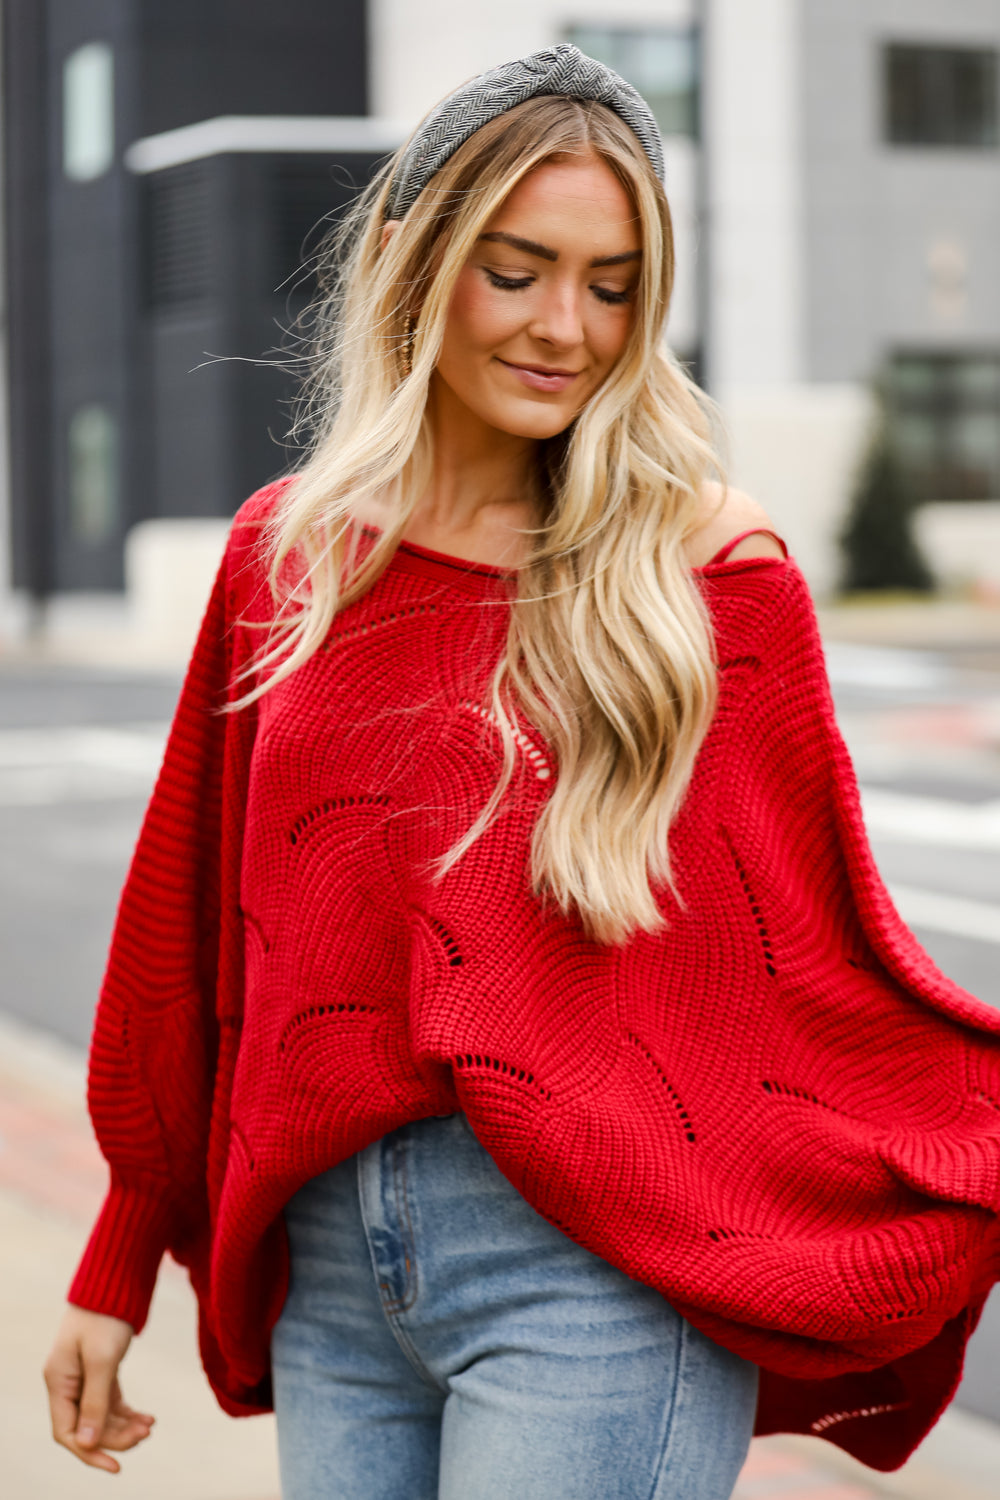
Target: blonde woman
505	1022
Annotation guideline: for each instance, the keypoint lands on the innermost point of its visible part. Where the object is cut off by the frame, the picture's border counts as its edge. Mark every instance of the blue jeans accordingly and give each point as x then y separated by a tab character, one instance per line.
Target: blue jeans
442	1341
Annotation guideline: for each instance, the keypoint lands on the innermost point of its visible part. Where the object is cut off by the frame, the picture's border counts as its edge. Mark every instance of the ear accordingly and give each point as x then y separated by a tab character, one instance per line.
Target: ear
388	230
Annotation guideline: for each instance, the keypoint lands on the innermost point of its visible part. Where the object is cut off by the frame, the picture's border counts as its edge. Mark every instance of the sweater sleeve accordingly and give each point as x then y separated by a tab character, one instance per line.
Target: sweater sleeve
155	1036
801	686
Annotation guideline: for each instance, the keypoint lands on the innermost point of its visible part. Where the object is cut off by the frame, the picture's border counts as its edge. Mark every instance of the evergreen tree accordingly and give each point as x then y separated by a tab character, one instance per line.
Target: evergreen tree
878	543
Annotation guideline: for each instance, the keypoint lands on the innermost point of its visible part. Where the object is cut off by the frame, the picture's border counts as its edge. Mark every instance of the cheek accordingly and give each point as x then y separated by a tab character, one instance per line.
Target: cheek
479	317
610	337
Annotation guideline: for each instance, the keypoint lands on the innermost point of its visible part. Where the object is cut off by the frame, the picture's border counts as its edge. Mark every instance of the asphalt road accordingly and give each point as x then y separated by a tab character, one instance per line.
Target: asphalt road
79	750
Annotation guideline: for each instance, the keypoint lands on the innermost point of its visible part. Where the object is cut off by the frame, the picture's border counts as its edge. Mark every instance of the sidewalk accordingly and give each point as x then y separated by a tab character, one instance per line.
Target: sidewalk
964	628
51	1183
100	631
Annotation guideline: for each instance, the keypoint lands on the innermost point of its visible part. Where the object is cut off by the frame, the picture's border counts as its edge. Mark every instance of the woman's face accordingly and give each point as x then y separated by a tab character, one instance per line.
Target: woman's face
543	307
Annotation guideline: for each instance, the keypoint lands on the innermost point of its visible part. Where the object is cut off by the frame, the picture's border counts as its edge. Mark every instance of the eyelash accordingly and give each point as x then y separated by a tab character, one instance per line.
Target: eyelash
612	299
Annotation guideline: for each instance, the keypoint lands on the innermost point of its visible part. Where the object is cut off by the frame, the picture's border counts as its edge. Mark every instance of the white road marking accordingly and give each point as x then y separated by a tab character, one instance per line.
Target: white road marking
979	920
884	668
66	763
931	820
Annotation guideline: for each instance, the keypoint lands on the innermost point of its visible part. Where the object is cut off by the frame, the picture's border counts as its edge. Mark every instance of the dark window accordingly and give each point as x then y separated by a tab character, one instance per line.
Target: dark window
945	415
941	96
308	195
177	236
661	62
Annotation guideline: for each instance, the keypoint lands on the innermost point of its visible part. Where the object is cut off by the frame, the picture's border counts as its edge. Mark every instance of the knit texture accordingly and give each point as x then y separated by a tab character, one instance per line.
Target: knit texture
779	1112
557	70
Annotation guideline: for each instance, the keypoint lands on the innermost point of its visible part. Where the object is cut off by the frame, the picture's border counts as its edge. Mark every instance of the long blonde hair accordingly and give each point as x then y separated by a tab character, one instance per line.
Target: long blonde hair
609	649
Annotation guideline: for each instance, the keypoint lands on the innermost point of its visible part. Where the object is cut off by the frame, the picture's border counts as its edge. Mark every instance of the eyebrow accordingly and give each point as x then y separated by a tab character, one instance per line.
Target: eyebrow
545	252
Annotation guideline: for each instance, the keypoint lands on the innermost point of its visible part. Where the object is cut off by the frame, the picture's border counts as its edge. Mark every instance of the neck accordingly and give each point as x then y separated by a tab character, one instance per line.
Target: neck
484	486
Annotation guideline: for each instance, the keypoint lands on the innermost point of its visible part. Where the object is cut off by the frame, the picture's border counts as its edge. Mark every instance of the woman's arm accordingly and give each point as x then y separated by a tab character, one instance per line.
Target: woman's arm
153	1045
175	950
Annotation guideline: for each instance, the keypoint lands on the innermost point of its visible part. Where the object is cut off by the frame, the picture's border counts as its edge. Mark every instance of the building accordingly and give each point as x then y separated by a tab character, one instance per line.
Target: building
834	170
833	166
125	287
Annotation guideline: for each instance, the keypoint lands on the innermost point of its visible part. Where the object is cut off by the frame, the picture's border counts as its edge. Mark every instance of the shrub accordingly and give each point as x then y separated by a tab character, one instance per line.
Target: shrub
879	547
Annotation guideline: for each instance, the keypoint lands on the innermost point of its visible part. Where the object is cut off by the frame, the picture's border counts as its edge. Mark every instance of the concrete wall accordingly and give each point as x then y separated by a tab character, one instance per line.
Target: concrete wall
755	334
421	52
961	541
795	449
901	242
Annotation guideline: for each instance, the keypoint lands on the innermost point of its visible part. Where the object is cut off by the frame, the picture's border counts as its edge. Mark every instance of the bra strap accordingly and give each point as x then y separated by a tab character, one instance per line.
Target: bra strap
724	552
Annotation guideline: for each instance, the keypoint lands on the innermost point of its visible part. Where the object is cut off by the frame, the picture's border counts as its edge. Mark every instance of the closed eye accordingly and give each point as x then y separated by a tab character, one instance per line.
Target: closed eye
507	282
512	284
604	294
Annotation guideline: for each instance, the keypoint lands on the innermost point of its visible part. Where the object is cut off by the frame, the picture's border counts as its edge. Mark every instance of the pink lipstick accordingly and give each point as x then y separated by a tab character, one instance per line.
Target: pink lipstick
539	378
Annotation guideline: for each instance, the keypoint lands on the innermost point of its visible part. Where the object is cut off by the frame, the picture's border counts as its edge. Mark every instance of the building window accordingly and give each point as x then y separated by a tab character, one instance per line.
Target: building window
941	96
88	112
661	62
177	237
93	475
945	415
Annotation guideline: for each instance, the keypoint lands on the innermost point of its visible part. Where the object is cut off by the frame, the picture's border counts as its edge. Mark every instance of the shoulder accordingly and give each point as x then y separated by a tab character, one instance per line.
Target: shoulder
256	511
724	513
249	548
253	522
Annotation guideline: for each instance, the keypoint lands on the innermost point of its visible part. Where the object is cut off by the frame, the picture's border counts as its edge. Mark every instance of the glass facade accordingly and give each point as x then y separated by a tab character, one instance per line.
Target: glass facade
661	62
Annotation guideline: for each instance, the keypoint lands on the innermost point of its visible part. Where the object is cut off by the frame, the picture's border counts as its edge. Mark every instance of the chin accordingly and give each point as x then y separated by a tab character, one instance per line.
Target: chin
539	423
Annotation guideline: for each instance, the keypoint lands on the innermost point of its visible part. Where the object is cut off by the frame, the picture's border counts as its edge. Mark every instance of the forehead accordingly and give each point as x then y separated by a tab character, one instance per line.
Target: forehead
567	198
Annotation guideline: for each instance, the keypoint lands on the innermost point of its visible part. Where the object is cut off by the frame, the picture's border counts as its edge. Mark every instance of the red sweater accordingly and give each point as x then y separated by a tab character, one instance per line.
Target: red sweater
779	1113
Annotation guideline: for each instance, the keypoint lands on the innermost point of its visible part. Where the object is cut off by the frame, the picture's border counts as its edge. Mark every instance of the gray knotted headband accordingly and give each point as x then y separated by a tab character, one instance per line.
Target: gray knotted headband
558	70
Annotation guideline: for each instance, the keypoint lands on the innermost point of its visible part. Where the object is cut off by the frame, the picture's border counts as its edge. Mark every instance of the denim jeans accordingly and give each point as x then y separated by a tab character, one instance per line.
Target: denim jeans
442	1341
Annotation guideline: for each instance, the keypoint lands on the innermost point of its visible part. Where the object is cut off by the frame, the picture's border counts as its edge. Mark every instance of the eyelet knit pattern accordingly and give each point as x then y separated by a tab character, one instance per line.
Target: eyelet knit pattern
778	1112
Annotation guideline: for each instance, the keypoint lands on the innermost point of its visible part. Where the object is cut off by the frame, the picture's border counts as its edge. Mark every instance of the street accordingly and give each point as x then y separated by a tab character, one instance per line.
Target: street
79	748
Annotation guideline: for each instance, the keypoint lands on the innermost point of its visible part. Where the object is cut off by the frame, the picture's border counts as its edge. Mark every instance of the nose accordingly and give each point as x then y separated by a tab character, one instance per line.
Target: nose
558	317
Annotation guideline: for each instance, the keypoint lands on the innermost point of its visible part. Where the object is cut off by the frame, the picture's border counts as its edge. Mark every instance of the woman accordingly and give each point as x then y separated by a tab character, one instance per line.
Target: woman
505	1022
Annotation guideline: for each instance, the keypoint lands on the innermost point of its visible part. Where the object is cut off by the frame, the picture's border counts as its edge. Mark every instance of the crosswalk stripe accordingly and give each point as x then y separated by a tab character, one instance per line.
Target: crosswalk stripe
69	763
941	913
931	820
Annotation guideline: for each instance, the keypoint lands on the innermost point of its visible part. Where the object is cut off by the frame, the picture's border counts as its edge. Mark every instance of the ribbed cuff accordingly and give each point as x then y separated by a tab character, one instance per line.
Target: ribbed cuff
117	1273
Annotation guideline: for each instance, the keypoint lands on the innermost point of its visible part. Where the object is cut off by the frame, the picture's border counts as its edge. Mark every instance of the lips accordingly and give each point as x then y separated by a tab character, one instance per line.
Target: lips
541	377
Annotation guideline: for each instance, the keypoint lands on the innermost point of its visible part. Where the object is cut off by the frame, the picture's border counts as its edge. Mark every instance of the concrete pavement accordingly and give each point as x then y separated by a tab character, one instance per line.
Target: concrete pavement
51	1182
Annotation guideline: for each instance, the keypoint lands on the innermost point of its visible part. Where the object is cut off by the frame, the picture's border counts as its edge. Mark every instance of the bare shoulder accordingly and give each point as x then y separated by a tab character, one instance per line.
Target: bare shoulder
725	513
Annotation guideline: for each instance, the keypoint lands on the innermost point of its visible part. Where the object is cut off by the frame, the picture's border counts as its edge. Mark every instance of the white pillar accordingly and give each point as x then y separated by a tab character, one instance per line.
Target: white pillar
753	131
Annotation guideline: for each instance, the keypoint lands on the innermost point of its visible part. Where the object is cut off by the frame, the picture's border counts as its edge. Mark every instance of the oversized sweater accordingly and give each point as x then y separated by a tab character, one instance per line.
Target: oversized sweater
777	1112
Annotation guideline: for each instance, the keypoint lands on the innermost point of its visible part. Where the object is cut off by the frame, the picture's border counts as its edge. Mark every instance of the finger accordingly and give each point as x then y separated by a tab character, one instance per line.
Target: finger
124	1432
94	1458
63	1378
123	1421
130	1411
63	1411
95	1401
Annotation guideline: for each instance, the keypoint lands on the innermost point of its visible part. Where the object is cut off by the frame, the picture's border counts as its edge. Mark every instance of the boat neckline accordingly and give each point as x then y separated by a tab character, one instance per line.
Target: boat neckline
465	565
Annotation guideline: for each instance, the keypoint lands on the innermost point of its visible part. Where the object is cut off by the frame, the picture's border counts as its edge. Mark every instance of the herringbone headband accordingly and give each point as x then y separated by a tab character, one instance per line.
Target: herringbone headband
559	70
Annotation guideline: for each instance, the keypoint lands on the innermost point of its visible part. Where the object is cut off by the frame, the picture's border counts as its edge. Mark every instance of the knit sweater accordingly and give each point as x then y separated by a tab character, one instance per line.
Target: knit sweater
778	1112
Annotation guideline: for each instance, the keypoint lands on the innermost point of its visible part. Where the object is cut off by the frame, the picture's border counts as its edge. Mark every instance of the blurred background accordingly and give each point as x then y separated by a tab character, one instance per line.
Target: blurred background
168	167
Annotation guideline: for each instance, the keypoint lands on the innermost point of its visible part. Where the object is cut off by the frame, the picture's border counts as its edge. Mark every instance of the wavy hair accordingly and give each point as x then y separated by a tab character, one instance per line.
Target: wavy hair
609	651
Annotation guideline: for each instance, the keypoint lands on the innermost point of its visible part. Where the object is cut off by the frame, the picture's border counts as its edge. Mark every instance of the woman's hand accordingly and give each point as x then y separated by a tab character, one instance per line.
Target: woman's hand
87	1408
